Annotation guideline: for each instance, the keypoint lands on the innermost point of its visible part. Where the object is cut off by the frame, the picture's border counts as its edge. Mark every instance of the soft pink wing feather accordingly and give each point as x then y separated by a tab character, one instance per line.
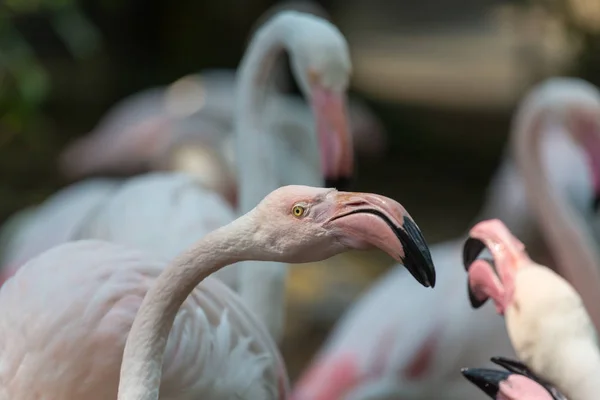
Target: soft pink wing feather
64	319
162	213
56	221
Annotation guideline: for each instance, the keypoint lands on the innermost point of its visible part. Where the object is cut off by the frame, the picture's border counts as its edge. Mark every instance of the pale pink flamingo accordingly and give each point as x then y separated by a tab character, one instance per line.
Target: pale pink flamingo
59	219
545	317
321	63
416	352
142	131
137	135
516	383
66	315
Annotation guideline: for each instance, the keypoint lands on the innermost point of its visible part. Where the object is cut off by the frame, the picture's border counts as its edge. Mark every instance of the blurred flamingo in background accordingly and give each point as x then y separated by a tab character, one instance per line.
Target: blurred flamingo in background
546	319
188	125
321	63
84	297
415	352
59	219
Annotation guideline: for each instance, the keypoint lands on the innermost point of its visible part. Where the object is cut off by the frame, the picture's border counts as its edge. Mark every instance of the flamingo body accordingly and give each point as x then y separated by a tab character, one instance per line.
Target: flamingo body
66	337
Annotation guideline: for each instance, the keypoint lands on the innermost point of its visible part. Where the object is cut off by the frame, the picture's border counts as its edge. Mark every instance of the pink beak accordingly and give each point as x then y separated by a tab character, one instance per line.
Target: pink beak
509	254
369	220
335	139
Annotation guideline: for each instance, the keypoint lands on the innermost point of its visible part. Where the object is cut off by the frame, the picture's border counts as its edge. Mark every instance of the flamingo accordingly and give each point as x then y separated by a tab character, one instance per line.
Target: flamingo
59	219
188	126
548	325
416	352
321	64
519	383
76	314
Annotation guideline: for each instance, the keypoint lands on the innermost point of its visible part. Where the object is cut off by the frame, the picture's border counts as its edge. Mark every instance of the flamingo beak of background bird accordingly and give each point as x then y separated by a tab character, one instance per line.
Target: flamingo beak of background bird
492	277
488	380
335	138
369	220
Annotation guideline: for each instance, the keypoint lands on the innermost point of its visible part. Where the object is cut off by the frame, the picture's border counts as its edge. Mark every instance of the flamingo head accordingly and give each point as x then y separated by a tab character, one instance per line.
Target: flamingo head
318	223
493	278
321	60
516	383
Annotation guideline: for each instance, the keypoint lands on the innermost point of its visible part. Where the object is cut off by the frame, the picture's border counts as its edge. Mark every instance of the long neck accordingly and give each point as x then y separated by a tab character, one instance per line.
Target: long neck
257	174
256	165
145	347
576	257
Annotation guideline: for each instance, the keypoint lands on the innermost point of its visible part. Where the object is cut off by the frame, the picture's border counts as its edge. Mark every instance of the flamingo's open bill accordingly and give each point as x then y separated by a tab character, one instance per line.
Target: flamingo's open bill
370	220
492	277
335	138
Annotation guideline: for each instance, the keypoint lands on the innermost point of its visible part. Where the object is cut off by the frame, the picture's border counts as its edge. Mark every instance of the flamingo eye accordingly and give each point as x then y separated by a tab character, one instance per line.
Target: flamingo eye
298	211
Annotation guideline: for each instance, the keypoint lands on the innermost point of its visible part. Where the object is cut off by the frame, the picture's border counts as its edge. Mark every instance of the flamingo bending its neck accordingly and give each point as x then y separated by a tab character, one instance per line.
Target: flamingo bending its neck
318	223
72	317
321	64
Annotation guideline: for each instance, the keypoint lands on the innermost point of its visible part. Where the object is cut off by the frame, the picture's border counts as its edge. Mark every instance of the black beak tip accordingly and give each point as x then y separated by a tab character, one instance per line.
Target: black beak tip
485	379
475	302
417	258
342	183
471	250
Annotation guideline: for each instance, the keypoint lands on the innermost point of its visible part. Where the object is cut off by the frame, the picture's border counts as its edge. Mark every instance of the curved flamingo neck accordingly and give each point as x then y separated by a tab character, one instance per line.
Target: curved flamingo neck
575	255
257	173
144	350
256	167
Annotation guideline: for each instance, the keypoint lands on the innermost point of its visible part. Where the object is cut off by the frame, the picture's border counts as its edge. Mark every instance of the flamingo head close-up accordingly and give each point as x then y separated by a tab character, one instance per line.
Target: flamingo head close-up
319	223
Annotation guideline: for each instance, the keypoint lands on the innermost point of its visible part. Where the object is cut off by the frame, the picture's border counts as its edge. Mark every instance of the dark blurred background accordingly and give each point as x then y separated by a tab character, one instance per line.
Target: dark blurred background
442	75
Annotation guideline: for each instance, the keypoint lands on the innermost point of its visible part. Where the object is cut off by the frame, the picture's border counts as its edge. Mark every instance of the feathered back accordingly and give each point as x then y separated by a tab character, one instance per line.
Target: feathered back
56	221
65	316
161	213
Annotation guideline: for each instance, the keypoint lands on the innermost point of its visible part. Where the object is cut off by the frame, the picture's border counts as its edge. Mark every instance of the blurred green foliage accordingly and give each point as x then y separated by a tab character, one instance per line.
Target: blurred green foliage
25	86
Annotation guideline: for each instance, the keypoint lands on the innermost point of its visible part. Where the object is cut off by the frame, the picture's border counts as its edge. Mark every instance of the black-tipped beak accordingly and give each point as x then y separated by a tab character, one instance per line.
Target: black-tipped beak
341	183
517	367
471	250
417	258
488	380
392	230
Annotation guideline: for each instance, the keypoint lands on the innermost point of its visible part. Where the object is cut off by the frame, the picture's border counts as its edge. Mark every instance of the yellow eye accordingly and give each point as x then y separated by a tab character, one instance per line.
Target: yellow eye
298	211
